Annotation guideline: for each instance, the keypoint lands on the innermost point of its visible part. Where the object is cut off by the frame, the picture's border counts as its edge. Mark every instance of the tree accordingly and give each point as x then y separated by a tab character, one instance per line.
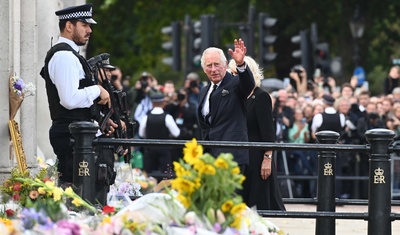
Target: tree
131	31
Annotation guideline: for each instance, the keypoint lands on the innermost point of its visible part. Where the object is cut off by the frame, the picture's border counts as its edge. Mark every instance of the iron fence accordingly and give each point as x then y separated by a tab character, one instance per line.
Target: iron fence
379	149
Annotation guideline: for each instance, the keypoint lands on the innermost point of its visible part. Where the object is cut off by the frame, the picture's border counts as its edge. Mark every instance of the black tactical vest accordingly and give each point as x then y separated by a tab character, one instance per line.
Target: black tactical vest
331	122
57	111
155	126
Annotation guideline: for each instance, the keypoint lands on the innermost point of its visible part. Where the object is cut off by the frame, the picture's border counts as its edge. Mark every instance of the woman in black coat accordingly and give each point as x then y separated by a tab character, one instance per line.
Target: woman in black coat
261	187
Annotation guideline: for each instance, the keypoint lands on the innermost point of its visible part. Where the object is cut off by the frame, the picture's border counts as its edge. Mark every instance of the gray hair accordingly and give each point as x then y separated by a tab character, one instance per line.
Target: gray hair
193	76
222	56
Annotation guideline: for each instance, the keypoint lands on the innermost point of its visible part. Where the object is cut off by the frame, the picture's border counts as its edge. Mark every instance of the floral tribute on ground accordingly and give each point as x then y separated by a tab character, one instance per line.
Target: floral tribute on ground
201	199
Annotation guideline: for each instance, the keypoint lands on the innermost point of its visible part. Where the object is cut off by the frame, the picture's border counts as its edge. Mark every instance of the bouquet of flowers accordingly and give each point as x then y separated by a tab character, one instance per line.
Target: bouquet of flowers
202	200
22	194
132	181
18	91
208	185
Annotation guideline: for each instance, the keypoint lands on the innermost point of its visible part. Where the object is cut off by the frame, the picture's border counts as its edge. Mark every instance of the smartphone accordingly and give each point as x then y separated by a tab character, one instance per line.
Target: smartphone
286	82
366	85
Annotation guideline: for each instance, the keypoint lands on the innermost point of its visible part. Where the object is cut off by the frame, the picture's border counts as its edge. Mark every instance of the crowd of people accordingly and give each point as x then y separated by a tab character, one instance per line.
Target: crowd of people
299	110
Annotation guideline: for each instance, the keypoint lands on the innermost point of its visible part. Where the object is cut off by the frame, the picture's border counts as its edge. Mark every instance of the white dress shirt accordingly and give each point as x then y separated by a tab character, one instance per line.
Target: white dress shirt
65	72
206	105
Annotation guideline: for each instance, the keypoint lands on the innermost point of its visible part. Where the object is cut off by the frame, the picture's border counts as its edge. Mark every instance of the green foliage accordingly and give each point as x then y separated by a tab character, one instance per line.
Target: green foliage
376	80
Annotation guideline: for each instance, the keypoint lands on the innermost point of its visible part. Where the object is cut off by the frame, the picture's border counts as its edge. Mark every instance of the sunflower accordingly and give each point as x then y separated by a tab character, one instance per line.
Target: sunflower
192	152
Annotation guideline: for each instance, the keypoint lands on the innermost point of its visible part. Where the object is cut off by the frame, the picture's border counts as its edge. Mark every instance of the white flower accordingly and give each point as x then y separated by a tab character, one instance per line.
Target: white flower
190	217
29	90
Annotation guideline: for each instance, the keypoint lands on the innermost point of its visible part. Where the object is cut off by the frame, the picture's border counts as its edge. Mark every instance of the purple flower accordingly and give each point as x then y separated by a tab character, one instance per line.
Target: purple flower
19	84
65	227
44	221
230	231
29	218
217	227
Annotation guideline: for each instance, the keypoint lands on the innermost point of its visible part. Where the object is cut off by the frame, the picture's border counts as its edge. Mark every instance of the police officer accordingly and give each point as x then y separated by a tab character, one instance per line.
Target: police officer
105	173
158	125
330	119
71	87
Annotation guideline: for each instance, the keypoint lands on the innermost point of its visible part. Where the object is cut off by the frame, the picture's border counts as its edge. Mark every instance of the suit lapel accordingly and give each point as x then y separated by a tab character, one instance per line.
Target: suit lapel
216	97
202	96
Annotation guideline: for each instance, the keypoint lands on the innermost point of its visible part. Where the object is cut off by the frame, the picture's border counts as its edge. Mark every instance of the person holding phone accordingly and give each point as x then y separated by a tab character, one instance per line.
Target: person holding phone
298	162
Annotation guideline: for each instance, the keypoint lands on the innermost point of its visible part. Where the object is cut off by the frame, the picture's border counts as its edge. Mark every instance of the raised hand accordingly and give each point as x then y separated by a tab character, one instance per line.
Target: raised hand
239	51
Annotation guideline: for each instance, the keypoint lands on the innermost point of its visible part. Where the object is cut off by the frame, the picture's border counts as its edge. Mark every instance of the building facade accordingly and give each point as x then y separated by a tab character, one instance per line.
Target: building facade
29	28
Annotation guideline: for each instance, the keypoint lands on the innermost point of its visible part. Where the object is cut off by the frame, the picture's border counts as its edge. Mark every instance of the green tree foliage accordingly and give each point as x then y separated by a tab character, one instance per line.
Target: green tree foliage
131	32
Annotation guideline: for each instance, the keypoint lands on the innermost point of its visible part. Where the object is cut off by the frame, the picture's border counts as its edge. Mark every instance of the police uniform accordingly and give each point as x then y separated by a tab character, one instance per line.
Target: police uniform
65	68
330	119
158	125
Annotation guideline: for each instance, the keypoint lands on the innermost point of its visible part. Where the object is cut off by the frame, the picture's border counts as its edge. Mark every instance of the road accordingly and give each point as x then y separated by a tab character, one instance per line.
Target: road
343	227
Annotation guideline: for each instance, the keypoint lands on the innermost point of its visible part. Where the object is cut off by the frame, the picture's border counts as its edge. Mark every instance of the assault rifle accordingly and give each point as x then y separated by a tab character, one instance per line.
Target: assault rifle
118	111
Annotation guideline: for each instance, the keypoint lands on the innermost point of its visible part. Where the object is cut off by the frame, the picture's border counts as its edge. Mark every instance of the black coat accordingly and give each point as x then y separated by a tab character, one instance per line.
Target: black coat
228	113
265	194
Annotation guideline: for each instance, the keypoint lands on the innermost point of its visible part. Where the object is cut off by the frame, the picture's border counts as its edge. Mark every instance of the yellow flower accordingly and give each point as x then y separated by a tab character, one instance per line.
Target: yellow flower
221	163
57	192
41	190
106	220
199	166
203	181
180	170
236	170
184	200
49	184
69	192
8	224
197	182
209	169
77	202
237	222
236	209
227	206
192	152
242	179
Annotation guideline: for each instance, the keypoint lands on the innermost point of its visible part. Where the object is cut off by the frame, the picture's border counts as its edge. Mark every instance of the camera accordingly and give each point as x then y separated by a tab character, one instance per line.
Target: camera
143	84
181	96
193	84
296	69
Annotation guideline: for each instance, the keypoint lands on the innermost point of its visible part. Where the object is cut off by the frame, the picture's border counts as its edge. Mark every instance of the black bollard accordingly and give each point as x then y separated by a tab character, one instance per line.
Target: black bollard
326	183
379	194
84	161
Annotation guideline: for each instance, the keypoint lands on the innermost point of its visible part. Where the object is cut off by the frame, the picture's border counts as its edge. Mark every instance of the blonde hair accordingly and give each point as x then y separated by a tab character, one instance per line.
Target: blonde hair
253	66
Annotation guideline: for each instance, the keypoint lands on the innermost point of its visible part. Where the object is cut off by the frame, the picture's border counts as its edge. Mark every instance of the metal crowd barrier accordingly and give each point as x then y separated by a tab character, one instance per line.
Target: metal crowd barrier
379	215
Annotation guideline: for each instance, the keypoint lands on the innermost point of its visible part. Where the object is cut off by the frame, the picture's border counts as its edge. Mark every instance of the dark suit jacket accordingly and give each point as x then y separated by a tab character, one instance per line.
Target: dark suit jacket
228	113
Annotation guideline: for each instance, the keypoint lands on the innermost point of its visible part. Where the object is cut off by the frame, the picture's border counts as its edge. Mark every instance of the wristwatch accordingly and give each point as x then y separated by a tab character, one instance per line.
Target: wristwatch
267	156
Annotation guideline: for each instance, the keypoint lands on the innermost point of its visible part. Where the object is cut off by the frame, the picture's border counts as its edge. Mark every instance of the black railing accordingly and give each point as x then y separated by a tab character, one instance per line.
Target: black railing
379	213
